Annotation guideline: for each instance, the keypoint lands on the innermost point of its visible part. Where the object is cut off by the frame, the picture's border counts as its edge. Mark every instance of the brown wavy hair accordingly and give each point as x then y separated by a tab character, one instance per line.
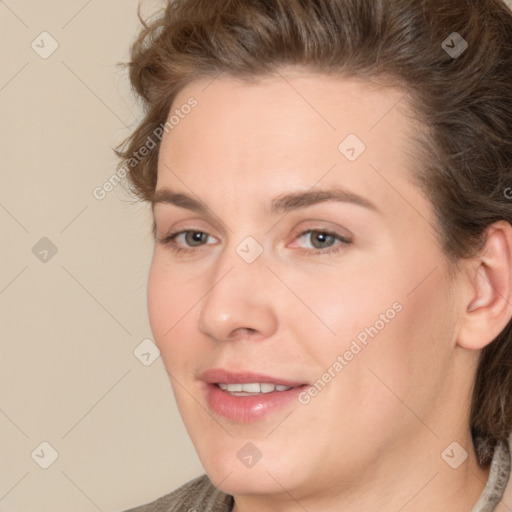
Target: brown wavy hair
463	104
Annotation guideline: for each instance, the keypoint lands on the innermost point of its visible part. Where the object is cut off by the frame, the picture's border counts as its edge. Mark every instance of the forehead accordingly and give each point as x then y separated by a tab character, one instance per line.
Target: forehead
327	103
291	130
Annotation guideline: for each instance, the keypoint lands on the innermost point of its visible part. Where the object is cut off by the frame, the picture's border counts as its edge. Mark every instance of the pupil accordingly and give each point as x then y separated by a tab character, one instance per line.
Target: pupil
194	238
322	239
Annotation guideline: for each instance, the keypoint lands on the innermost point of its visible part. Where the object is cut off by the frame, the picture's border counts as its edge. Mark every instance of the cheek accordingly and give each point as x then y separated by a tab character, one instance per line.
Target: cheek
170	308
405	360
346	305
160	301
380	327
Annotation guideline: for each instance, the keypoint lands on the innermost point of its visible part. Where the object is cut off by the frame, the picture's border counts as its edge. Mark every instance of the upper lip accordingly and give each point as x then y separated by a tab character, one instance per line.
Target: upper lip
220	375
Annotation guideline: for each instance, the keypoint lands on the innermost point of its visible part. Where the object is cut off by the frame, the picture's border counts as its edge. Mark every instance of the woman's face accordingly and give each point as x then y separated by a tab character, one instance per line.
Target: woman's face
289	253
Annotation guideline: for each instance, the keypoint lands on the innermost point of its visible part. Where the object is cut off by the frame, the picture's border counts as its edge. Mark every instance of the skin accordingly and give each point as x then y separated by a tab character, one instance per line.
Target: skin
375	434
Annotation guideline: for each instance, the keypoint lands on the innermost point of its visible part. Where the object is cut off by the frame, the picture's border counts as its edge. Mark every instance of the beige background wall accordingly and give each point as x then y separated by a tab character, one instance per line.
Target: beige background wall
69	325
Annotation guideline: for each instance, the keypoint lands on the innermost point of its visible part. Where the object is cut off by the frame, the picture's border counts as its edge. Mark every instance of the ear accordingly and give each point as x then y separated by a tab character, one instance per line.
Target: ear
489	301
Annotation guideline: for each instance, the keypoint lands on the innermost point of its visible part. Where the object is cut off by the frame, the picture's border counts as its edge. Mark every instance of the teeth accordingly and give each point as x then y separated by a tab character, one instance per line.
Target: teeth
267	388
252	388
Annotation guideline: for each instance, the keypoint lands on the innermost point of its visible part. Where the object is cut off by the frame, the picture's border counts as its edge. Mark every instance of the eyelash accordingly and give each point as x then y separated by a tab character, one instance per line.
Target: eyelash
169	242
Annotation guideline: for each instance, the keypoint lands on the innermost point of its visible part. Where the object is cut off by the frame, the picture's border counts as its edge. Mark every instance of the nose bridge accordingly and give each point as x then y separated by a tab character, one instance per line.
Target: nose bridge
240	294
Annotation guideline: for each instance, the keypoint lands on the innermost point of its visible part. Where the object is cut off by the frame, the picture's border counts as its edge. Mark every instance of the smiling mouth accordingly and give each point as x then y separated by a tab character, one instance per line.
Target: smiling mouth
245	396
252	388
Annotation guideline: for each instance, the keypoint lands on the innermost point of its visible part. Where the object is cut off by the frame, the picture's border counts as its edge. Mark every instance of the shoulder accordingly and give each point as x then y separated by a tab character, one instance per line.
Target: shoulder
198	495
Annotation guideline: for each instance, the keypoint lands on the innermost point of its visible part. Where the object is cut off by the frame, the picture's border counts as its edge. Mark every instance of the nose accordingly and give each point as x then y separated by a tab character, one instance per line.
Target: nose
240	301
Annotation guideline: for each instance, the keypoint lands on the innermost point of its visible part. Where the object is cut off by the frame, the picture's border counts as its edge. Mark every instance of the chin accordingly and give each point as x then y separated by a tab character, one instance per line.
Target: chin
247	482
233	475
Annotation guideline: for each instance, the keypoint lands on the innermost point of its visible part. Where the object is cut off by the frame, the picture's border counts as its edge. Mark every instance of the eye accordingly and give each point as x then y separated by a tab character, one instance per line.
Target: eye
186	240
322	241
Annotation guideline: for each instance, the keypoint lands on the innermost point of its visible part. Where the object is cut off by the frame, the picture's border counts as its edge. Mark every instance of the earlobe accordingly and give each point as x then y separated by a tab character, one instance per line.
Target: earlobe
489	306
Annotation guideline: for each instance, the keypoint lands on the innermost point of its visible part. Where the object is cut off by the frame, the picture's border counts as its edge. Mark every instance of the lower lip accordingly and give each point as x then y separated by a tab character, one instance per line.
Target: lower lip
245	409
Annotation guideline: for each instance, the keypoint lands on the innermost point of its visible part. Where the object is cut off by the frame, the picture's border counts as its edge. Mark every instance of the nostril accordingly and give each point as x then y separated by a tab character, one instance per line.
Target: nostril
241	332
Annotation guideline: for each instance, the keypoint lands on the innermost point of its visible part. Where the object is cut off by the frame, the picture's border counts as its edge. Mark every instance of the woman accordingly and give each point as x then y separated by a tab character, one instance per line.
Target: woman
331	284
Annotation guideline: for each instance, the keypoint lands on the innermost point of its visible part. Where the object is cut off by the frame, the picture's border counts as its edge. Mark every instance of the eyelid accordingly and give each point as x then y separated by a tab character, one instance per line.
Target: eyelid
176	216
171	226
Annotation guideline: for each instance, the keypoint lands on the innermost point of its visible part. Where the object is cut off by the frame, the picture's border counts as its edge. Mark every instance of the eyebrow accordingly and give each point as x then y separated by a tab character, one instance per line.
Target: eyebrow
282	204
